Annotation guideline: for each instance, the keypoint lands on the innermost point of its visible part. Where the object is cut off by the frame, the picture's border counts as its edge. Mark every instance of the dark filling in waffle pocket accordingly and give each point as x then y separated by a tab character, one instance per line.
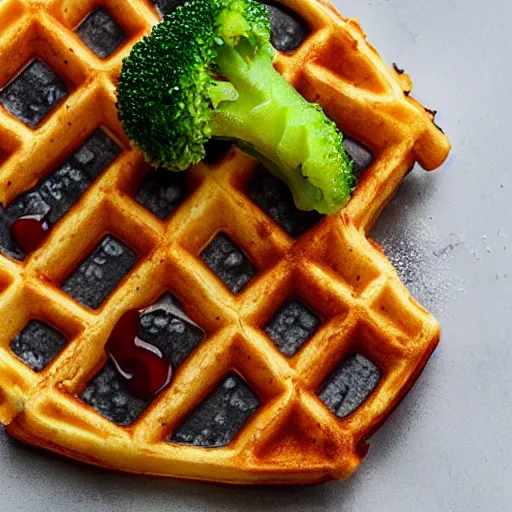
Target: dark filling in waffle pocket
101	33
34	93
351	383
124	387
217	420
55	194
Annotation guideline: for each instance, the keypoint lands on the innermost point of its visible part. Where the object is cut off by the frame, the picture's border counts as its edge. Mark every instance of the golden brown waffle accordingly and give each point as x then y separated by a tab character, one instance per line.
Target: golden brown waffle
364	309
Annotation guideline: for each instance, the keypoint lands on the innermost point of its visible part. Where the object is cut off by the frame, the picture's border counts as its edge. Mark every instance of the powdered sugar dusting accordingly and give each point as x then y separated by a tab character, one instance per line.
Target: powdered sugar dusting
422	265
412	244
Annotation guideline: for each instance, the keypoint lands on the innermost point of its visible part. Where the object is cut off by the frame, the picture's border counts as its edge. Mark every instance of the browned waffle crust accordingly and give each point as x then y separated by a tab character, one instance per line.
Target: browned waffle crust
307	338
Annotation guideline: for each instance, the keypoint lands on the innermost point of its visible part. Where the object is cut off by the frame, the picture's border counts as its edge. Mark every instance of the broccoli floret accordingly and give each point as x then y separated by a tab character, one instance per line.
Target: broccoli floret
207	72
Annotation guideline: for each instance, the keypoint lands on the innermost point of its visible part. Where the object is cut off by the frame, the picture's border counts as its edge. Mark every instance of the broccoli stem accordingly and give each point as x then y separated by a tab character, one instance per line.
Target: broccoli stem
273	122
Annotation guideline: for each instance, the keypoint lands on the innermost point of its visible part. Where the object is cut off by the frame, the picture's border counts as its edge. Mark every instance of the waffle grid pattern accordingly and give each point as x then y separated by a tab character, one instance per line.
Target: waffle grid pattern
292	436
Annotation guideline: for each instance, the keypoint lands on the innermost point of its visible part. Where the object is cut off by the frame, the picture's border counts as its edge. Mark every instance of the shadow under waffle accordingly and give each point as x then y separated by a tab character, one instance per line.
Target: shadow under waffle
101	33
100	273
292	326
38	344
228	262
217	420
288	29
350	385
56	194
33	94
174	336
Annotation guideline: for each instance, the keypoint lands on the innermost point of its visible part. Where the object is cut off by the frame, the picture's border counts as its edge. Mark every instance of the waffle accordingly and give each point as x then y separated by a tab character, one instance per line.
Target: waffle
290	335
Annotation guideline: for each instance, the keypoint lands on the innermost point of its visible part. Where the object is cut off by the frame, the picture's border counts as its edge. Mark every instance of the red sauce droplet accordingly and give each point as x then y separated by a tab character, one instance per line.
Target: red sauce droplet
29	232
144	368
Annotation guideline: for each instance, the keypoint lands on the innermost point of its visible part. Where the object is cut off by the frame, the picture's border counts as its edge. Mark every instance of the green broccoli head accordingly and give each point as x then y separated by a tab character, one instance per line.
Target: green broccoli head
206	71
163	94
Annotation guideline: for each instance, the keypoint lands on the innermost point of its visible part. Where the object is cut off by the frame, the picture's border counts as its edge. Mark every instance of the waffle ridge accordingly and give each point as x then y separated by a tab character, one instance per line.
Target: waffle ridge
292	437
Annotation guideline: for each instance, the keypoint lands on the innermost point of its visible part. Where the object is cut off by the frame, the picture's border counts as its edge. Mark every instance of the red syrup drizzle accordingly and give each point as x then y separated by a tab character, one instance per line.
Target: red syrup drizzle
29	232
141	365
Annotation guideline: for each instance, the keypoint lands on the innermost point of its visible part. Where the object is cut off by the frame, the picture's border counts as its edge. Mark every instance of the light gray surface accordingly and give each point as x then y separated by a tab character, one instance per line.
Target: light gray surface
449	445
